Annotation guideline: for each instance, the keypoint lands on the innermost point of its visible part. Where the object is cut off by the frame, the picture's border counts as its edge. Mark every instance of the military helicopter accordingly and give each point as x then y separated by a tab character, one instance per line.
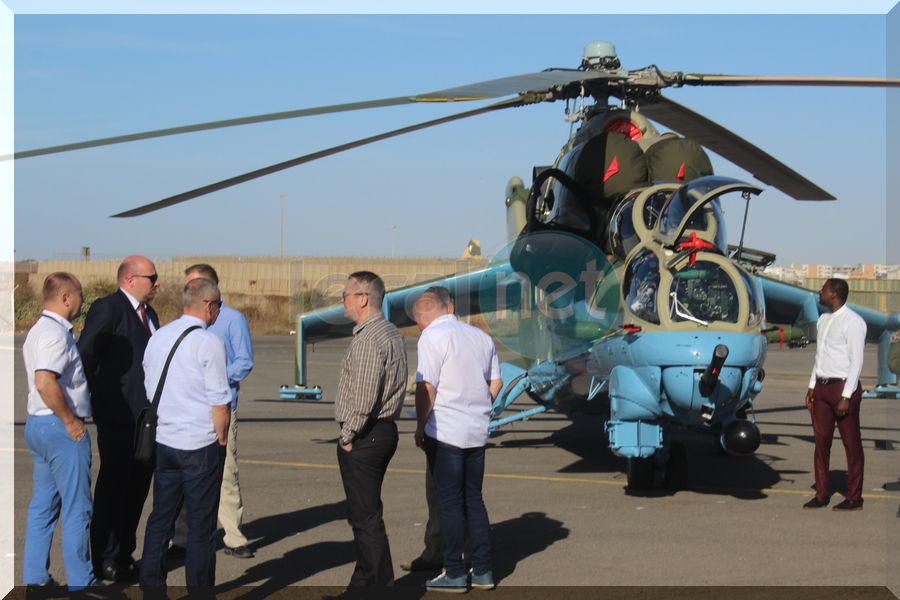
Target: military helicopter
618	273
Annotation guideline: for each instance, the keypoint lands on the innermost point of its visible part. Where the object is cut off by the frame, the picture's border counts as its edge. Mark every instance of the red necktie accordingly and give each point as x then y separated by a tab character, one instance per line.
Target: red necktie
144	320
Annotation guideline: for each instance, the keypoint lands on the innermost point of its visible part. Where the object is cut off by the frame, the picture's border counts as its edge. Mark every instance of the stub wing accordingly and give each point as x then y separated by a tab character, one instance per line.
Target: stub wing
485	290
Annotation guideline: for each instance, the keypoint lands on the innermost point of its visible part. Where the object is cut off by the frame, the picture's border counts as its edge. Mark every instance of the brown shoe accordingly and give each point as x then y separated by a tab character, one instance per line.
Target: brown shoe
816	503
848	505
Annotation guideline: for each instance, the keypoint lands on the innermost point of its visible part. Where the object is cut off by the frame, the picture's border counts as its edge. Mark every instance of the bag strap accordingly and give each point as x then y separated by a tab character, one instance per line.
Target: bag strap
162	378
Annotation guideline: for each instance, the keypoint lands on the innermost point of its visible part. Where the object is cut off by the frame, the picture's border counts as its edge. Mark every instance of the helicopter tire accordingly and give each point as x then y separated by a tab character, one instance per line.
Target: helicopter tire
640	473
677	467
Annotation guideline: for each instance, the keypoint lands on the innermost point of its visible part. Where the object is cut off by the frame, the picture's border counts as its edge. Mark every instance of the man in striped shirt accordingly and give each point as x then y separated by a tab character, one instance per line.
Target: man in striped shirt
370	397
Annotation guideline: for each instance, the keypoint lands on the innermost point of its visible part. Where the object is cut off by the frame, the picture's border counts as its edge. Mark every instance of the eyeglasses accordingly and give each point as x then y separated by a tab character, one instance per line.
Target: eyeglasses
345	294
152	278
217	303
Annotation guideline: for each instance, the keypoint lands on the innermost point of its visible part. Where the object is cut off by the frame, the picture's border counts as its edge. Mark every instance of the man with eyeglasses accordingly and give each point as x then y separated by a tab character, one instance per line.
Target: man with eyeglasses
191	435
231	327
116	331
369	400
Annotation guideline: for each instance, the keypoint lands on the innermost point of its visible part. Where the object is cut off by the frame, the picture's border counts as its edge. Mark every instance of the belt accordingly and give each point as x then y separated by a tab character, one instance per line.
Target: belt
830	380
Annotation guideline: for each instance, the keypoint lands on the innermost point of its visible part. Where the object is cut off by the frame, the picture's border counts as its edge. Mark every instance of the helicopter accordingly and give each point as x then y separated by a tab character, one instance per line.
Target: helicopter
617	266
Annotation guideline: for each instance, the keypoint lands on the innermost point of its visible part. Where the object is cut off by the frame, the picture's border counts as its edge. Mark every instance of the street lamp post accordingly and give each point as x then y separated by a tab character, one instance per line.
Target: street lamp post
281	247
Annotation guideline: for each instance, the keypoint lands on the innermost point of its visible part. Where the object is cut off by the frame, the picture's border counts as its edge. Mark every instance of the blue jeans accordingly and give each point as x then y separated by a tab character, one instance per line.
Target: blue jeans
192	477
62	487
458	474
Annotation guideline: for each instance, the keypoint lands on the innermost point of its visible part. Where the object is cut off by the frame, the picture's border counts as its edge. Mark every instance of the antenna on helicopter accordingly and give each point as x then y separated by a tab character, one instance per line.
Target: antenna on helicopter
599	56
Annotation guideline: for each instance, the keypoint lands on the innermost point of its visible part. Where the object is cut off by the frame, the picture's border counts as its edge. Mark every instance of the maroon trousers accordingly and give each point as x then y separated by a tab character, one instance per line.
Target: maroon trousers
825	399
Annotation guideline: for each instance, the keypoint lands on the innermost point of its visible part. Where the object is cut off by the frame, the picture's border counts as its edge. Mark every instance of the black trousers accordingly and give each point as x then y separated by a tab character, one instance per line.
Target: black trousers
362	473
119	495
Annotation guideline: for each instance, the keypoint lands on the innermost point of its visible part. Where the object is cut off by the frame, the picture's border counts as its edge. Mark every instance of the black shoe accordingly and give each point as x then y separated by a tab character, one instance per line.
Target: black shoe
112	571
51	589
848	505
239	552
176	552
816	503
420	564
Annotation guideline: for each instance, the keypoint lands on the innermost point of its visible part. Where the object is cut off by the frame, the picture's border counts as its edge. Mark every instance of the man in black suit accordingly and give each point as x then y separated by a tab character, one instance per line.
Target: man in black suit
116	331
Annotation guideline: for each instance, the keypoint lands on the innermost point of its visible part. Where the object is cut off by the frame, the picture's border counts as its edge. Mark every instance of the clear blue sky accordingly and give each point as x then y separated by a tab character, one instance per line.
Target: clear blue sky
89	76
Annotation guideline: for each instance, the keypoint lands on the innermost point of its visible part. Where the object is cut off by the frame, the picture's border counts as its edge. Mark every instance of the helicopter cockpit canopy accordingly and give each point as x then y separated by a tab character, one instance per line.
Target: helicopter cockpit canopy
696	207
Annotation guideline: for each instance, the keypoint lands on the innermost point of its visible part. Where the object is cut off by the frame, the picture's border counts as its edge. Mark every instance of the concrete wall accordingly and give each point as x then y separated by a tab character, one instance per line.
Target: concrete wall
265	276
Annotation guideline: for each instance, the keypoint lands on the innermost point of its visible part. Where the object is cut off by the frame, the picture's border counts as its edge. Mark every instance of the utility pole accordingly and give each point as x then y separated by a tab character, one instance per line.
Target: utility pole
281	247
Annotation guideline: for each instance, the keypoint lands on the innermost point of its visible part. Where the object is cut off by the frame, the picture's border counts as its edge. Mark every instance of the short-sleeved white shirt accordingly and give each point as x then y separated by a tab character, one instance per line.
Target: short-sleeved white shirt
458	360
50	346
196	381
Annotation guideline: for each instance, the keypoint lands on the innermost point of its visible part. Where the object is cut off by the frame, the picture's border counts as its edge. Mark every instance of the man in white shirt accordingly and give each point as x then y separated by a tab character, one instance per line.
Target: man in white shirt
834	393
58	402
191	435
457	380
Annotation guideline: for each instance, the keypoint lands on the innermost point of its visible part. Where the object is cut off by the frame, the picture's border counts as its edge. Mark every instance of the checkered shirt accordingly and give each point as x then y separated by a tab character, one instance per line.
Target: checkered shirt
373	374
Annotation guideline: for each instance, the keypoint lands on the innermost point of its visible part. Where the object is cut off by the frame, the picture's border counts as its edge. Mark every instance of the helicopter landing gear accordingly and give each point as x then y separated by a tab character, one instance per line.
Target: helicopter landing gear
640	473
671	464
677	467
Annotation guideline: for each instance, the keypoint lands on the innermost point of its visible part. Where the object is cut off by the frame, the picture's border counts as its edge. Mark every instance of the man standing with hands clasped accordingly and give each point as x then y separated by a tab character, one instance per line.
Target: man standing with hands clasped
457	380
834	393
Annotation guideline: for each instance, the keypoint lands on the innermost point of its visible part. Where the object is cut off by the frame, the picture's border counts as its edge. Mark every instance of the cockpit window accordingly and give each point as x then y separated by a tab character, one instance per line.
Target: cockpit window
703	293
675	210
756	306
622	236
641	285
653	207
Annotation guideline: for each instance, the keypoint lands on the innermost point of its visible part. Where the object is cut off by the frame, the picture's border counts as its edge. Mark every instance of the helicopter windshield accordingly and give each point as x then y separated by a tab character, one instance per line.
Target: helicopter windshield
754	295
641	285
622	236
703	293
696	206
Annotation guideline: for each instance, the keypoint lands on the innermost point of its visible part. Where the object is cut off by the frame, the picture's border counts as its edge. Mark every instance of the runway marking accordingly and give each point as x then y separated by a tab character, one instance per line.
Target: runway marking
513	476
545	478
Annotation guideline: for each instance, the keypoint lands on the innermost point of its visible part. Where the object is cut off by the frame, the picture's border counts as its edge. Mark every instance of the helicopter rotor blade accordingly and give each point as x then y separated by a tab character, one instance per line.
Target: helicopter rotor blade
701	79
736	149
232	181
537	83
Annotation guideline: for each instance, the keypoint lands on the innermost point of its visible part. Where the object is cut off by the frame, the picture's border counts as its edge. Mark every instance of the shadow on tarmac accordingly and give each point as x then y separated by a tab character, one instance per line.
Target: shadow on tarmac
297	564
711	471
272	529
512	541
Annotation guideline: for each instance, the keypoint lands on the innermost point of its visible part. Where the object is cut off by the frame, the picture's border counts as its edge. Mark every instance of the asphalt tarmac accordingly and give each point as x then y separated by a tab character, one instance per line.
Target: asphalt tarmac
556	498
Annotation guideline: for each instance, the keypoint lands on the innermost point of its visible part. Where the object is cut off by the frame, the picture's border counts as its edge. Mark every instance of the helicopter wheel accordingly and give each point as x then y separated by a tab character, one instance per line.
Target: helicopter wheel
640	473
677	467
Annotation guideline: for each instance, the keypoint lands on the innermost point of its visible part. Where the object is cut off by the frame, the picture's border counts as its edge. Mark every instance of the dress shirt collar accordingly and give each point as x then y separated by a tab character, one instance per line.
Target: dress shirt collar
134	301
58	318
377	316
442	318
192	320
839	311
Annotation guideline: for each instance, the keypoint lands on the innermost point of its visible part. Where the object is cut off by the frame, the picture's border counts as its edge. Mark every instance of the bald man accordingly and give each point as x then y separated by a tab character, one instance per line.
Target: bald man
116	331
58	402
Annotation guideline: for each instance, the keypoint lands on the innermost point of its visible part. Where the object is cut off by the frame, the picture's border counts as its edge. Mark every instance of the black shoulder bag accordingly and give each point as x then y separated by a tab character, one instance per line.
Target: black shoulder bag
145	428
